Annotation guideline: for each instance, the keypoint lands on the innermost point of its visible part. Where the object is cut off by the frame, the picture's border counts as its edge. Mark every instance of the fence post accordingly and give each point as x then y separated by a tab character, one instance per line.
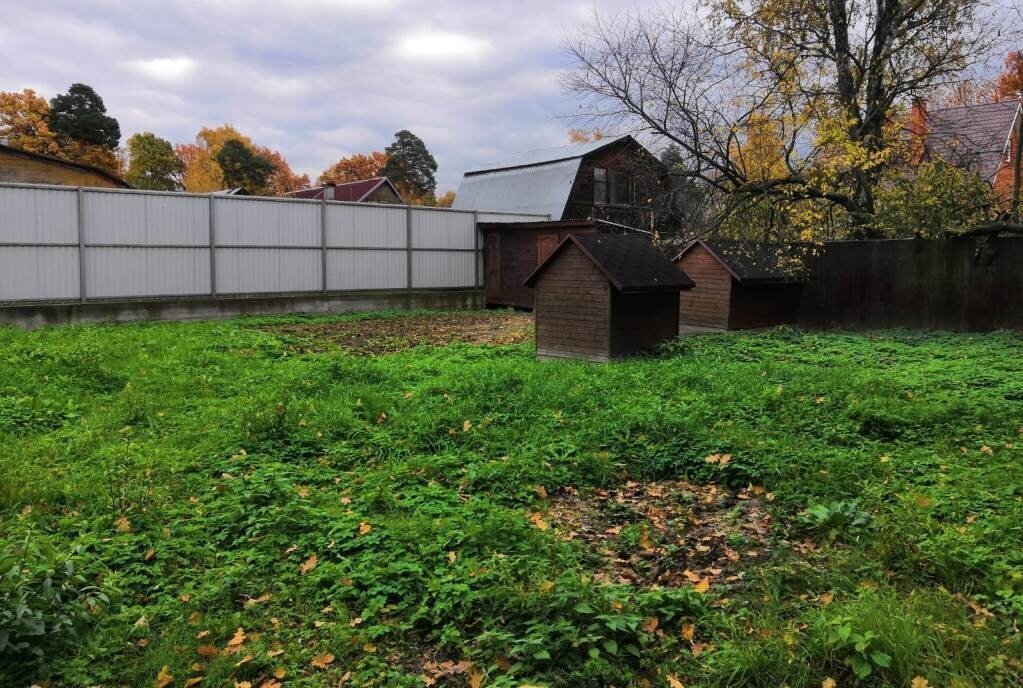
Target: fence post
476	249
408	247
213	249
323	242
81	245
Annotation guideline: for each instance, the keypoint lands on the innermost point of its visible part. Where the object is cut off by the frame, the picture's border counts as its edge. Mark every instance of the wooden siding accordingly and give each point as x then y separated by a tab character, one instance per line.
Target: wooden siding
28	170
572	303
639	322
384	194
517	251
647	186
706	304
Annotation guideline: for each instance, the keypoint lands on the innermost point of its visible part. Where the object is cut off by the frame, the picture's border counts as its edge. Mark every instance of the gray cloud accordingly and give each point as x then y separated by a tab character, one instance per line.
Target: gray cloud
314	79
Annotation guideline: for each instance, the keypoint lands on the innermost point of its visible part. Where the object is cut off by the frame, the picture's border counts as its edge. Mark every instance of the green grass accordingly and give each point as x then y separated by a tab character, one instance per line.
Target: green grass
186	471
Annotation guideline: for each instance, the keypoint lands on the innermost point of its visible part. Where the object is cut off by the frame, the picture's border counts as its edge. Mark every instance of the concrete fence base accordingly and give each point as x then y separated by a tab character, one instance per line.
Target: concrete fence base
33	315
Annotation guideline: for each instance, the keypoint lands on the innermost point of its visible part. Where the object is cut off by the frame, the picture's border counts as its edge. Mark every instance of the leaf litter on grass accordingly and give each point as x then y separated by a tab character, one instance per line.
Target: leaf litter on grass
390	335
668	533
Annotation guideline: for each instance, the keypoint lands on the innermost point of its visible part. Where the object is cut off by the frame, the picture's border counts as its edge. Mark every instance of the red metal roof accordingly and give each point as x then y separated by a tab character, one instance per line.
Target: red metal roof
351	192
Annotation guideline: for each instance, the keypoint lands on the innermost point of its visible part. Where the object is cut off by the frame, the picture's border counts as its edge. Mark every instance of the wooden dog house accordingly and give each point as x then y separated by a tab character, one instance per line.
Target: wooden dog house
604	296
742	284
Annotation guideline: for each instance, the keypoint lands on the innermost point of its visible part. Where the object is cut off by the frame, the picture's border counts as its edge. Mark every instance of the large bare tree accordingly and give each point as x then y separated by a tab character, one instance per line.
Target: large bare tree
821	80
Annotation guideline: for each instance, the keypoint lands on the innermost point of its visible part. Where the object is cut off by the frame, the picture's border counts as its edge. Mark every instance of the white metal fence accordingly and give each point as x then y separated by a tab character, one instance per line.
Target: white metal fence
73	244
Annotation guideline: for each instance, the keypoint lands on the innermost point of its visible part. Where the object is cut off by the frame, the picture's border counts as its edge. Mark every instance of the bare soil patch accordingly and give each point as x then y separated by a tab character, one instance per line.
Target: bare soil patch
669	533
388	335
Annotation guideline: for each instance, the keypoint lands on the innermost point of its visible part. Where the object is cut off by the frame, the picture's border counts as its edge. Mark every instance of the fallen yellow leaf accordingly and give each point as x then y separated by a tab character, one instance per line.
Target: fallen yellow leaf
308	565
164	678
123	525
828	683
702	586
919	682
673	682
365	528
537	519
688	631
323	661
238	638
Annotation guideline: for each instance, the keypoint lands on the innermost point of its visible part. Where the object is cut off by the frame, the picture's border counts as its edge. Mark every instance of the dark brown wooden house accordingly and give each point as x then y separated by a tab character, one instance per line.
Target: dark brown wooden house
741	285
604	296
513	250
613	179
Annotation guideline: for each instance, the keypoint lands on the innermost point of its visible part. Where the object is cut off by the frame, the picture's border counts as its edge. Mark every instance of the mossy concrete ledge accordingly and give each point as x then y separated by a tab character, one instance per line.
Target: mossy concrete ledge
39	314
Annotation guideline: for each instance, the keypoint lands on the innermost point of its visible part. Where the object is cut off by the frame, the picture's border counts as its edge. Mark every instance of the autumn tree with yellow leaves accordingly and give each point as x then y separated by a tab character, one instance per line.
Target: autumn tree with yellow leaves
25	122
791	104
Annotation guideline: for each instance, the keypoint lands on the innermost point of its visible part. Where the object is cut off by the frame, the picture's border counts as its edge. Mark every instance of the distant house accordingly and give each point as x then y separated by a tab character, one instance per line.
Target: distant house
743	284
23	167
978	137
605	296
613	179
375	190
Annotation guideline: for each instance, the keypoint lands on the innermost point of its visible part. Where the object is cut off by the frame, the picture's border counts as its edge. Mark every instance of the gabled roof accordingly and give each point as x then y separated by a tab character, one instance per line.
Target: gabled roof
361	190
351	192
66	163
543	156
752	262
537	181
975	136
630	263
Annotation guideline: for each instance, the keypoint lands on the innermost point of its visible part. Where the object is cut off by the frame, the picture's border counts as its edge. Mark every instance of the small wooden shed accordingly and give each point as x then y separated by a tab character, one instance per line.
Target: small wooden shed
604	296
741	284
512	250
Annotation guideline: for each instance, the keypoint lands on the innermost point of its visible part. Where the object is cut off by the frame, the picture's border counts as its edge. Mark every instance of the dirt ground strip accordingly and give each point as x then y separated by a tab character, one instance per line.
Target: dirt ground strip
388	335
668	533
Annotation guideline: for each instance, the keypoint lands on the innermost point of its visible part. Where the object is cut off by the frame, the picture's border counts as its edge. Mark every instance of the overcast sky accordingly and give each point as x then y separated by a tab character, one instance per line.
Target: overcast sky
314	79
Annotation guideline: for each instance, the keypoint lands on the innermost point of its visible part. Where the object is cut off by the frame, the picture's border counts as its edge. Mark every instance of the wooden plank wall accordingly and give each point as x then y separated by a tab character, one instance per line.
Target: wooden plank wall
764	305
572	309
706	304
953	284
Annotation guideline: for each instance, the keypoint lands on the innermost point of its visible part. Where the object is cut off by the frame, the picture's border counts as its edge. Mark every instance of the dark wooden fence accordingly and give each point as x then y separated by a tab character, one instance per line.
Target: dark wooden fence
955	284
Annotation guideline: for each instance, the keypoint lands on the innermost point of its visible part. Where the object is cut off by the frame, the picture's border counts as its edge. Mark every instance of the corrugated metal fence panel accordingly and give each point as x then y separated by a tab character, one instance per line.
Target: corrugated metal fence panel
440	229
248	221
259	270
367	226
442	270
43	216
148	219
511	217
37	273
126	272
366	269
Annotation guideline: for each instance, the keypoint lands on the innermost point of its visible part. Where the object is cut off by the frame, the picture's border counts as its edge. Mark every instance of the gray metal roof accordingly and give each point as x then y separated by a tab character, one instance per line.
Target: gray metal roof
546	155
537	181
975	136
540	189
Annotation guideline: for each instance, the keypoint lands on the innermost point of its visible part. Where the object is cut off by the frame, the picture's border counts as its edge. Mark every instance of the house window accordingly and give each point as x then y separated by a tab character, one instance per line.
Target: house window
621	187
600	196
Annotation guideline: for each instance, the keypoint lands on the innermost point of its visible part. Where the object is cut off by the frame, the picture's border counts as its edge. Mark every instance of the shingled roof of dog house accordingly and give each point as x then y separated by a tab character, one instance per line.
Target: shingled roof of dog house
604	296
744	284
